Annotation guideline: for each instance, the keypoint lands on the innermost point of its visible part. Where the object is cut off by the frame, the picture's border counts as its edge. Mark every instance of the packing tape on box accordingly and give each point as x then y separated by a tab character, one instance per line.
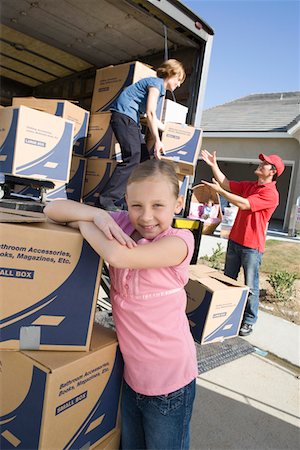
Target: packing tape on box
30	338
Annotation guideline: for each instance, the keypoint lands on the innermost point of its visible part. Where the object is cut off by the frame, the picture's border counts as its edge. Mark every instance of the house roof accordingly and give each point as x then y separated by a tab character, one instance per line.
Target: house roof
276	112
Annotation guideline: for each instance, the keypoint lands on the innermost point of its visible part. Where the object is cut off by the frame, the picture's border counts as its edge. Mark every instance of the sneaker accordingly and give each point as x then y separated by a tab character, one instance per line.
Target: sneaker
246	329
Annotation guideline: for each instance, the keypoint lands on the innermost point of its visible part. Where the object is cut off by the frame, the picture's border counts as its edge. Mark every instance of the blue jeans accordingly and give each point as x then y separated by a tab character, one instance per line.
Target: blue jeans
159	422
249	259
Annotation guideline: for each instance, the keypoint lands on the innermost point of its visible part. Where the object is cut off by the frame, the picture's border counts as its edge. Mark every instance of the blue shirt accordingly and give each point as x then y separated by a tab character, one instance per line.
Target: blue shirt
133	100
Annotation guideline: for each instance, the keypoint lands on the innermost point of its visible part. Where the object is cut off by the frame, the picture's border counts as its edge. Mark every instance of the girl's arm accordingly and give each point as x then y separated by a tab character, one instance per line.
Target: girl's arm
71	212
153	122
168	251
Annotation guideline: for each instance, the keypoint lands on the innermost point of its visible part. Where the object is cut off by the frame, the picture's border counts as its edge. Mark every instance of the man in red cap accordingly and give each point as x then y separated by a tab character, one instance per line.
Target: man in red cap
256	200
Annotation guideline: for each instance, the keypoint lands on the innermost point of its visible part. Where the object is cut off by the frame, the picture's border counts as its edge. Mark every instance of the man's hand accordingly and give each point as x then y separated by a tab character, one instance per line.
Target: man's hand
112	230
210	159
214	185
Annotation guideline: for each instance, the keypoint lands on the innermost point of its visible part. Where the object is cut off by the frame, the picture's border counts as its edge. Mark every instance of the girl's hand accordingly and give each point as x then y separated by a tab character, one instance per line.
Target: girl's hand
158	149
112	230
210	159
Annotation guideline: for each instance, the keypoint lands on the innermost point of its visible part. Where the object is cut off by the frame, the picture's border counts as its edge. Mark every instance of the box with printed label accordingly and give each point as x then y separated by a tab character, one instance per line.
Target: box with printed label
101	141
112	442
72	190
35	144
98	172
182	145
56	400
173	112
215	305
50	277
110	82
65	109
183	181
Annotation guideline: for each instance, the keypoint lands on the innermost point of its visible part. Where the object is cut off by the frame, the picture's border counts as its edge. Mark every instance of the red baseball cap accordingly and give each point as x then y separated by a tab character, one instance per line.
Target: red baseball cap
275	160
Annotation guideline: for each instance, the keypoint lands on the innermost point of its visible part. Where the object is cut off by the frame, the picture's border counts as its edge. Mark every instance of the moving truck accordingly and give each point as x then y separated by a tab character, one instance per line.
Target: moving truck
53	49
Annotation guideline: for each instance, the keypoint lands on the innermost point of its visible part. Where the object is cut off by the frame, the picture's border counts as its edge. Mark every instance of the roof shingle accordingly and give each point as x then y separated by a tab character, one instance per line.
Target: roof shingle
254	113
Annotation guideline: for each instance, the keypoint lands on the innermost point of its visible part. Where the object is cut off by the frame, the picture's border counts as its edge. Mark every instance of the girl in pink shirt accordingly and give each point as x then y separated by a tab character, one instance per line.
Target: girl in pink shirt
149	263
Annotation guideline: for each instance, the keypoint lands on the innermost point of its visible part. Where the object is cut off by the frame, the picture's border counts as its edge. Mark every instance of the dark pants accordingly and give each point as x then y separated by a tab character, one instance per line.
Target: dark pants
133	150
249	259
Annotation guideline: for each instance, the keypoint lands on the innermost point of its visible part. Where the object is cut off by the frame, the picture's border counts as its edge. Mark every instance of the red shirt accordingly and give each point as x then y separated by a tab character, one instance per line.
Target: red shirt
250	225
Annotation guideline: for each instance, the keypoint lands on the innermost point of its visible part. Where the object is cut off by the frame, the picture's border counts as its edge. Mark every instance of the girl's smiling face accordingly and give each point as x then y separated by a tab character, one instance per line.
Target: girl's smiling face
152	205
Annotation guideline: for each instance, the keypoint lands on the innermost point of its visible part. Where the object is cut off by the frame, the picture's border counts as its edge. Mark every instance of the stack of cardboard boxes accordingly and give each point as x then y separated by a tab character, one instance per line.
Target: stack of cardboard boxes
81	172
61	375
71	186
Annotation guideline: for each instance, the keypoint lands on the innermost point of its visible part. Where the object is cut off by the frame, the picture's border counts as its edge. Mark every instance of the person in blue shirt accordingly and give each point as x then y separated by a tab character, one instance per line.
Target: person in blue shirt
143	97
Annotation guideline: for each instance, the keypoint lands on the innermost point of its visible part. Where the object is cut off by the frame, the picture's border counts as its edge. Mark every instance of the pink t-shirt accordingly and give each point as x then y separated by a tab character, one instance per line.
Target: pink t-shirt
151	323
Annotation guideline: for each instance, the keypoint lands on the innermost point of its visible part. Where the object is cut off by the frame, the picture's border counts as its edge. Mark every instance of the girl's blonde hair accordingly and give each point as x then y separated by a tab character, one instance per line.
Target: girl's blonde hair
170	68
153	168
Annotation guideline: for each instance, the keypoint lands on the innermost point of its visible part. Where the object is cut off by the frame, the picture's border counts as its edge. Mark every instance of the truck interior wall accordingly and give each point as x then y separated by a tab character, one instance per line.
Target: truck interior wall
79	87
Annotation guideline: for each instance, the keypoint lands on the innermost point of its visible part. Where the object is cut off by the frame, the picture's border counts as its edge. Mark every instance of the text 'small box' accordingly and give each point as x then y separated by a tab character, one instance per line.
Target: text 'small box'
110	82
65	109
215	305
101	141
35	144
98	172
50	278
182	145
60	400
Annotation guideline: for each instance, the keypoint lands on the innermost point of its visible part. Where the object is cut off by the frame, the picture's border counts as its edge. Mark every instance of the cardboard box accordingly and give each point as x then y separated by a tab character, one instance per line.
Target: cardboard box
72	190
110	82
55	400
215	305
98	172
182	145
183	187
101	141
173	112
34	144
20	216
112	442
65	109
201	195
50	279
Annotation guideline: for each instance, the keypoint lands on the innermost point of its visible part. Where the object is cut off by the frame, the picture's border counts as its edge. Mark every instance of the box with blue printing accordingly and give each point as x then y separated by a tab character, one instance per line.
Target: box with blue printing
215	304
101	141
58	400
182	145
111	80
35	144
73	190
50	278
65	109
98	173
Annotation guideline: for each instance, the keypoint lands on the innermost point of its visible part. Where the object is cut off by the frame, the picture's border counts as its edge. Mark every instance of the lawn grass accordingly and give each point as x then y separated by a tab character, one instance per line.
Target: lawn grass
280	256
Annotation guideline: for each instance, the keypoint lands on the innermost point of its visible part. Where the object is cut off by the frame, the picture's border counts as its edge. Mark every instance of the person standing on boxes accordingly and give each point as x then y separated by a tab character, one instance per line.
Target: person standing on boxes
149	267
256	200
143	97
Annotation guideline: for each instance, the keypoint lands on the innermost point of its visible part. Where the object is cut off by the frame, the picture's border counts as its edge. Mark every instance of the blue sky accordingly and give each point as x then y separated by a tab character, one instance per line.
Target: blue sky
256	47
